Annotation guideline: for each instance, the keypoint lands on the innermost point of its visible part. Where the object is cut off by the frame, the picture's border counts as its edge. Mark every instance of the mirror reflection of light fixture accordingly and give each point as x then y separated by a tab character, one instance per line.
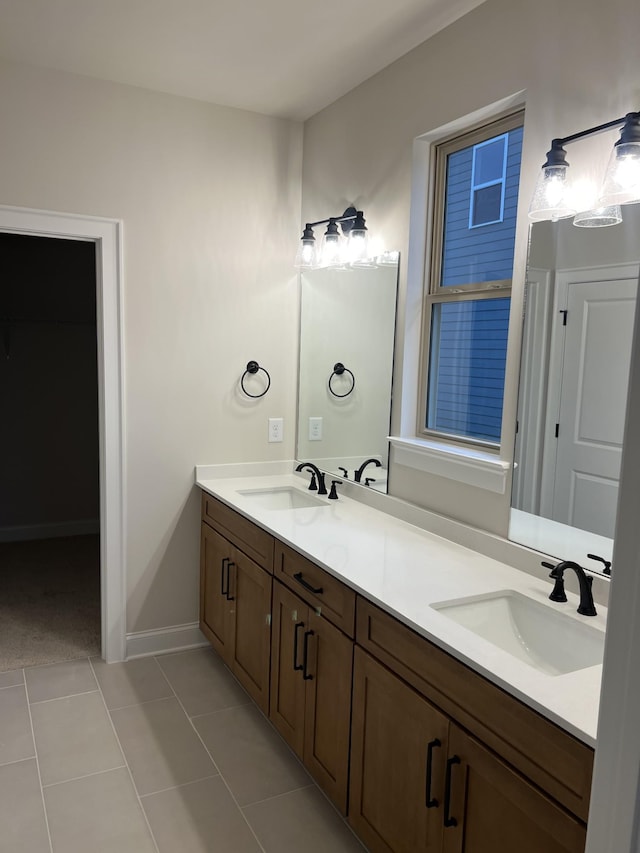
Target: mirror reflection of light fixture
621	184
622	178
344	242
599	217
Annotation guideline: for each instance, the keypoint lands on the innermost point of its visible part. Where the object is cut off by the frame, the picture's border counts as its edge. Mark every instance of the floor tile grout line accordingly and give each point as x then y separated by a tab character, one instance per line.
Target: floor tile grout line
221	710
277	796
18	760
35	748
83	776
139	704
9	686
66	696
181	785
224	781
113	728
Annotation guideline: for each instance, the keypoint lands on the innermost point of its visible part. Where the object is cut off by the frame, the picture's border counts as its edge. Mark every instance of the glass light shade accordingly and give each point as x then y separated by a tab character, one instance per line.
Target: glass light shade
306	256
599	217
550	195
331	251
622	178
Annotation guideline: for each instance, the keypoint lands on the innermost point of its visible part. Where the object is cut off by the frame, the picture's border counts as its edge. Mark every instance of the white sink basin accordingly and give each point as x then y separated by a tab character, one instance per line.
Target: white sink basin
533	632
282	497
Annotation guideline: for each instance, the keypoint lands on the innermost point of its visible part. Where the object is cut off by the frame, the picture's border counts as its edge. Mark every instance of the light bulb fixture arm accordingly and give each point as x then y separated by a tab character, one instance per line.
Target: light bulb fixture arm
349	214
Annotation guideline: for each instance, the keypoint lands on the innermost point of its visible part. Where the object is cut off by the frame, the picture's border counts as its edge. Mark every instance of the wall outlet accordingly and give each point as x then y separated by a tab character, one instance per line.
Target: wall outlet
276	429
315	429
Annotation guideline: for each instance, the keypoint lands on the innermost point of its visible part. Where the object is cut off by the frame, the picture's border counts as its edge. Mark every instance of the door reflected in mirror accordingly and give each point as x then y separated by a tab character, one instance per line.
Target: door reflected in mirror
347	333
578	330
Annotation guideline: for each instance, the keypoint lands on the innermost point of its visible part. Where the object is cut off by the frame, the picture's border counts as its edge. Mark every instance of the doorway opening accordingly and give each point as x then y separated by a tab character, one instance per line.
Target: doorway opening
49	489
105	235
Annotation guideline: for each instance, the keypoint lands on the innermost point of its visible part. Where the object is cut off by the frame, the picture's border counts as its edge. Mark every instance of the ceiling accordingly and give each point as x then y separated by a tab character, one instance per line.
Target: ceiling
280	57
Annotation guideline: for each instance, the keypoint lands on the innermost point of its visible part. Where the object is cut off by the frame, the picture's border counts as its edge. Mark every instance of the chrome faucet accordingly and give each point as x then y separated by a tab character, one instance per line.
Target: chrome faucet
317	477
586	606
357	475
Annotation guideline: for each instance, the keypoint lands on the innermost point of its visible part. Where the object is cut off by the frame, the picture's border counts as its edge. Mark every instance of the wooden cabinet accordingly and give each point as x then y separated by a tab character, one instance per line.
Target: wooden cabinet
235	611
311	675
429	756
397	762
491	808
419	781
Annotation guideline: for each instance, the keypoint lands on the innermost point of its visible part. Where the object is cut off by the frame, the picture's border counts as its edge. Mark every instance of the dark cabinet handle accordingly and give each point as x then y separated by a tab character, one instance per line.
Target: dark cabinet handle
316	590
430	802
229	597
223	567
296	665
305	655
448	819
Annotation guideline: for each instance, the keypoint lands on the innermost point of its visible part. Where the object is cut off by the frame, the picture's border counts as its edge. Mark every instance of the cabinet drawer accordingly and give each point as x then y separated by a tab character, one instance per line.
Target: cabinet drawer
553	759
248	537
335	601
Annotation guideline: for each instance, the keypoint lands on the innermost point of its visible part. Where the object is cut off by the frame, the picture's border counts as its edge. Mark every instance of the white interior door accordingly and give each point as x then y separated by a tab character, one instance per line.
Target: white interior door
593	397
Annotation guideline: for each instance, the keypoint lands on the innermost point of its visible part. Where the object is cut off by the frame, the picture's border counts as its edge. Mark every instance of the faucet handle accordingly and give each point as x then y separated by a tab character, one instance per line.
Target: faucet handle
345	473
333	494
369	480
607	563
313	485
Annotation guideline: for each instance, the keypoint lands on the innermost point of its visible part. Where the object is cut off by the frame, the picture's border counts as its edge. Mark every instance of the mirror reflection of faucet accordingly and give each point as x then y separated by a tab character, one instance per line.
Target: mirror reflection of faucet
607	563
357	474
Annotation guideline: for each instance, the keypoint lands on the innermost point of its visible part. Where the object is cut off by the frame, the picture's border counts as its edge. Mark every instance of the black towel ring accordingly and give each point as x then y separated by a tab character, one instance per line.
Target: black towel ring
253	367
338	370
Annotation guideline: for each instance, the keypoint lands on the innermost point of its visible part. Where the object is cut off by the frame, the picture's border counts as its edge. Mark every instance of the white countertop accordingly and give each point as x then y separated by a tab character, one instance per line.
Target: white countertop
404	569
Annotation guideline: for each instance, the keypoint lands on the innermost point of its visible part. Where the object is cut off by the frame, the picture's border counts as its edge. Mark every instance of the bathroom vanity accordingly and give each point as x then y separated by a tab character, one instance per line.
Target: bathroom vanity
426	735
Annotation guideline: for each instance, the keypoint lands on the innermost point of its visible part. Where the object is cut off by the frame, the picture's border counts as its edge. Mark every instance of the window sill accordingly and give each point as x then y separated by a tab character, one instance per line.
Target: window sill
472	467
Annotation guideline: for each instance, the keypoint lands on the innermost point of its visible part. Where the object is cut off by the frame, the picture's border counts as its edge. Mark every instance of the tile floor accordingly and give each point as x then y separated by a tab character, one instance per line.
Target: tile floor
163	754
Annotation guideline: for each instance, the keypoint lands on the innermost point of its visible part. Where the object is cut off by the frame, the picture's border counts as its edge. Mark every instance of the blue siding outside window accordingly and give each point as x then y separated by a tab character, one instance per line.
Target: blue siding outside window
485	252
466	371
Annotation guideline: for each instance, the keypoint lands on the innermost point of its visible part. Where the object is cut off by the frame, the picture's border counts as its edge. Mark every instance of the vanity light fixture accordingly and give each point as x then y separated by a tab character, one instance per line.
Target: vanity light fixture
350	246
551	199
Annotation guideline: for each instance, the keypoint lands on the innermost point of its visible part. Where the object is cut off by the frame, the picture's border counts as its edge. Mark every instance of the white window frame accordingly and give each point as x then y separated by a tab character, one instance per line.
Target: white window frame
502	180
434	291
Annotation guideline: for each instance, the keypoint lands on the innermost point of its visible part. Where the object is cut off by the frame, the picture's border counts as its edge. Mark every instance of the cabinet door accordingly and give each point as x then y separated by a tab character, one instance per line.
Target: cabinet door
327	673
215	610
290	621
492	809
398	750
250	599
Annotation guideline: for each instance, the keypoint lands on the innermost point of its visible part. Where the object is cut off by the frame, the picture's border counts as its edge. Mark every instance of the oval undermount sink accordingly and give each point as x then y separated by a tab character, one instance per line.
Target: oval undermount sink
535	633
282	497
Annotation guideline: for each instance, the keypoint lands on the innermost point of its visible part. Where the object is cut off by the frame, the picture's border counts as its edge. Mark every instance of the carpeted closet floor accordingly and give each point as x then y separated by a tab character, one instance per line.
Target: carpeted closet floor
49	600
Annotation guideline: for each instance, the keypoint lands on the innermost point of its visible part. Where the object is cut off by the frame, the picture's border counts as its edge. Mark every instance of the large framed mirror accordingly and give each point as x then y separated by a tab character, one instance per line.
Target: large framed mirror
347	333
578	329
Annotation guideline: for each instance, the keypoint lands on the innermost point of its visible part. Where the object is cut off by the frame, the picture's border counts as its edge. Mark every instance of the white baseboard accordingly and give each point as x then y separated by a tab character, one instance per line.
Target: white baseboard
177	638
24	532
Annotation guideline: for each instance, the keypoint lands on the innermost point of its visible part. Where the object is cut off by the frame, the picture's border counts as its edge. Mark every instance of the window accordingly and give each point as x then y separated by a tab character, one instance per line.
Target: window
468	297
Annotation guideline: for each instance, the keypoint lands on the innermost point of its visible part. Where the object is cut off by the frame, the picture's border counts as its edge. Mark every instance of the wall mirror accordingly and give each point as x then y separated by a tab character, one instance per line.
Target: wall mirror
578	328
347	333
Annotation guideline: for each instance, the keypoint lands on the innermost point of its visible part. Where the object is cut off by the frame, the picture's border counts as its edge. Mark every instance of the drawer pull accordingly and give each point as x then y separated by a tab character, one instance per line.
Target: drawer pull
296	665
315	590
430	802
305	655
229	597
224	566
448	819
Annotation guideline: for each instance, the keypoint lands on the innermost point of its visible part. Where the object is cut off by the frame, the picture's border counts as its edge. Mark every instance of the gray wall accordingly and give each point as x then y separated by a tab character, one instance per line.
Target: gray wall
210	202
